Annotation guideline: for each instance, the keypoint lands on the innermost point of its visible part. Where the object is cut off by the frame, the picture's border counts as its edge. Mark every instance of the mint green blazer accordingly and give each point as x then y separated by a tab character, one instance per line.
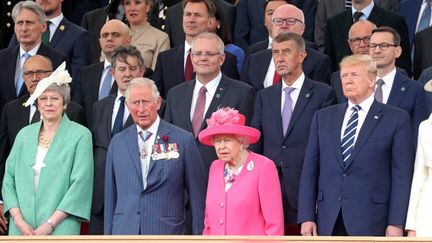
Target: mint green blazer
65	183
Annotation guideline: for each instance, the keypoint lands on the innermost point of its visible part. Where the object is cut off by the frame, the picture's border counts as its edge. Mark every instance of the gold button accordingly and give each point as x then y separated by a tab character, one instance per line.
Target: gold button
8	25
9	3
163	27
8	14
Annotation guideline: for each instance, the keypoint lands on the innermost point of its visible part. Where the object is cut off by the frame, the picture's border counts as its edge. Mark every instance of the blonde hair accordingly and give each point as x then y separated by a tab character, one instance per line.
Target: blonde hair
370	65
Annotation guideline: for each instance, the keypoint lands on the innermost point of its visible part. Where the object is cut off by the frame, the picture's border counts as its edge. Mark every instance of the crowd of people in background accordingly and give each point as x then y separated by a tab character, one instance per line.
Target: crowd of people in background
216	117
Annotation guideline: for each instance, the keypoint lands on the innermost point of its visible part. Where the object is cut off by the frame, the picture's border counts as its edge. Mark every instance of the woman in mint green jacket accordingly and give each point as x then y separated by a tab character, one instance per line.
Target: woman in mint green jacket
47	187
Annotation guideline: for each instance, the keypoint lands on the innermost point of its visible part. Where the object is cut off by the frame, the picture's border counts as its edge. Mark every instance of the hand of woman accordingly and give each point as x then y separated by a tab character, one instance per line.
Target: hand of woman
22	225
3	221
412	233
44	229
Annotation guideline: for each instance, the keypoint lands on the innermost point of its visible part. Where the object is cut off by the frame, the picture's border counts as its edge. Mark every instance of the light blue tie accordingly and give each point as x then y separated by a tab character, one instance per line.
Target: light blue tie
425	18
349	134
106	84
20	80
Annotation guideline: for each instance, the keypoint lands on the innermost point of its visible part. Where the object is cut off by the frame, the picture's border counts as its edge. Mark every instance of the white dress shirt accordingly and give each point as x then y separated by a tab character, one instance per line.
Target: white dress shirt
366	11
211	90
116	108
55	22
365	106
295	93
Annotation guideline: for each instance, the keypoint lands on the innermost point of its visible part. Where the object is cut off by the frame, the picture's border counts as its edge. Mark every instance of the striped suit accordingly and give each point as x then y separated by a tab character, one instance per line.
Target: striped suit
160	208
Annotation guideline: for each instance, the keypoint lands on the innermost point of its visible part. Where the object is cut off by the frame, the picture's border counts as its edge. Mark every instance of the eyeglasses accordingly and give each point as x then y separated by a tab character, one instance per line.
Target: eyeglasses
39	73
358	40
114	35
382	46
204	54
288	21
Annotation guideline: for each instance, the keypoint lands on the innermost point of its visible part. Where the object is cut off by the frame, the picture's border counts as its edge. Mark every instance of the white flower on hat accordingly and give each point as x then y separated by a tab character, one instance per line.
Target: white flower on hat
60	76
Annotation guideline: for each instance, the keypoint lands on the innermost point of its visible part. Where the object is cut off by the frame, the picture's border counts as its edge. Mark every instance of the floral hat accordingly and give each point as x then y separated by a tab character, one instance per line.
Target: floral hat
428	86
60	76
228	121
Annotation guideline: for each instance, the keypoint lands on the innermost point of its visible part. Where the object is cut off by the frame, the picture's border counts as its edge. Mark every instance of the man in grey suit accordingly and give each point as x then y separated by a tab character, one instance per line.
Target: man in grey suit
149	168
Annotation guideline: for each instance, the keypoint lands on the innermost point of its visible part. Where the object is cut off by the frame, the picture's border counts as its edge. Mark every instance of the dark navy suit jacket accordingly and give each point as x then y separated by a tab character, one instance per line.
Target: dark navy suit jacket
410	9
288	151
160	208
316	66
229	93
372	188
405	94
73	41
8	60
169	70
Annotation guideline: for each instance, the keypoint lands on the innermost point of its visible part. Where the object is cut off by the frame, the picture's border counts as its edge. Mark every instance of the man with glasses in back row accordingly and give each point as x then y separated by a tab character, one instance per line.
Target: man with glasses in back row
259	69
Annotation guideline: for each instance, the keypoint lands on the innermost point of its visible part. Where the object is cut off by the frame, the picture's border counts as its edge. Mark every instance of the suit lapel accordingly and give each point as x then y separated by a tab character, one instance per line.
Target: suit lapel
336	132
372	119
109	113
275	106
302	100
132	145
22	113
376	15
216	100
179	63
59	32
11	65
397	91
185	105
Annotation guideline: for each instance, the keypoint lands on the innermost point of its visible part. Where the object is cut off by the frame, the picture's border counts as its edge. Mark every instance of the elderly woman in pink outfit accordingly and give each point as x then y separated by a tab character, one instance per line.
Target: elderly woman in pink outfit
243	194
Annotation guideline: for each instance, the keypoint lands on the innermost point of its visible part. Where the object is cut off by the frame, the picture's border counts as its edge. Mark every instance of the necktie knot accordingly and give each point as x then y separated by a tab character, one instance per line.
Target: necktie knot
122	99
202	90
26	55
288	90
380	82
356	108
357	16
145	135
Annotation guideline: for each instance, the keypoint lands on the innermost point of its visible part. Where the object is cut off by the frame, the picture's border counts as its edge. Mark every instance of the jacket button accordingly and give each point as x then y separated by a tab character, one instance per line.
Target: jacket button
221	222
9	3
339	198
344	174
221	205
283	147
8	25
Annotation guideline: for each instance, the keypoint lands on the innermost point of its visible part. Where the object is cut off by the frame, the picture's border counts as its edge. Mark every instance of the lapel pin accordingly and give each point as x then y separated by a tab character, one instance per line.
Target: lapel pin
62	27
250	165
221	88
403	89
217	95
307	95
376	117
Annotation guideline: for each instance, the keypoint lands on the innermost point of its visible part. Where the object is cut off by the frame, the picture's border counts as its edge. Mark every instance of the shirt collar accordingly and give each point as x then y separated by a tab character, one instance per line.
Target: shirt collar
298	83
106	63
118	96
56	20
187	47
365	105
153	129
366	11
270	41
32	52
211	86
389	78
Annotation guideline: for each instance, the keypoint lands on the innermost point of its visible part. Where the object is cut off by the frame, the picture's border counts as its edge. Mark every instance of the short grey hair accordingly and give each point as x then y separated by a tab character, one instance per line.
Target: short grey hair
63	90
242	139
142	82
208	35
29	5
297	40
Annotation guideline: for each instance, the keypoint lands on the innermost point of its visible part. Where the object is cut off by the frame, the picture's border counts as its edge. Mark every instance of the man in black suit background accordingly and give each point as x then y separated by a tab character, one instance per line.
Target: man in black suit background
336	46
174	66
90	86
16	116
110	116
30	23
190	103
259	69
64	36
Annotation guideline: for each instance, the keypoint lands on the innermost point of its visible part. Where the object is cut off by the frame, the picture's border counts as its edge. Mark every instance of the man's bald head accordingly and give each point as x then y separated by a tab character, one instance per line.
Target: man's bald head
114	33
292	20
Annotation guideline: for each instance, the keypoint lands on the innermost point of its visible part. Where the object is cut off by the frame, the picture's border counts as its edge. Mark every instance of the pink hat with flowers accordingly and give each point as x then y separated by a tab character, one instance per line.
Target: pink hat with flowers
228	121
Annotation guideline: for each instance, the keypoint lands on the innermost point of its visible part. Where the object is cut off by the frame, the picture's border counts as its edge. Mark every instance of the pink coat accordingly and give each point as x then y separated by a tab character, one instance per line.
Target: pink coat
253	204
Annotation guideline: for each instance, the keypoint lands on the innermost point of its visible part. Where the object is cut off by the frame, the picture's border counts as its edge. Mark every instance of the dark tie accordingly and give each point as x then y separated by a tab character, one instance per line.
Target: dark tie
189	68
425	17
349	134
348	4
36	116
276	78
287	109
118	122
379	91
106	84
198	114
46	34
357	16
